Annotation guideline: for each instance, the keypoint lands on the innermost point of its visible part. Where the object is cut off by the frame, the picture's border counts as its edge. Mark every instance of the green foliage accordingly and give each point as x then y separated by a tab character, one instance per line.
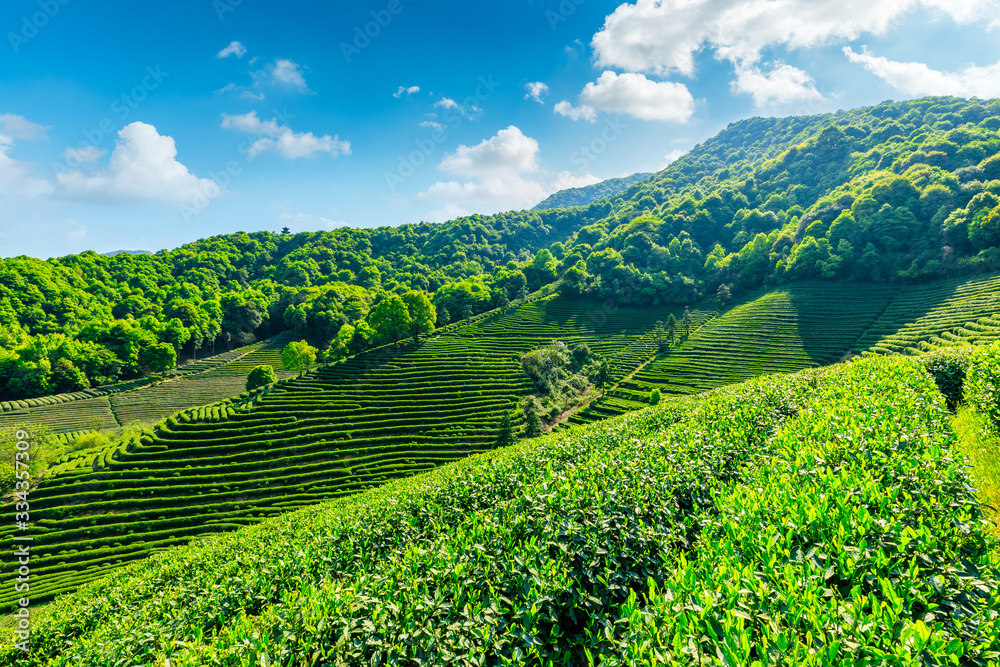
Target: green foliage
158	358
390	319
590	193
532	421
421	312
948	368
505	432
734	528
298	356
260	376
982	384
655	397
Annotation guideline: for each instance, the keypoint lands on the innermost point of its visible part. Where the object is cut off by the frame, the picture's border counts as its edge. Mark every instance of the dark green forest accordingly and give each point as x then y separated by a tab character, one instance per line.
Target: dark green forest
900	192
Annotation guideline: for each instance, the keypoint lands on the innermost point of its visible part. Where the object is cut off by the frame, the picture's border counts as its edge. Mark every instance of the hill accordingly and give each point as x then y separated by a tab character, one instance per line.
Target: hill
899	193
590	193
755	523
346	427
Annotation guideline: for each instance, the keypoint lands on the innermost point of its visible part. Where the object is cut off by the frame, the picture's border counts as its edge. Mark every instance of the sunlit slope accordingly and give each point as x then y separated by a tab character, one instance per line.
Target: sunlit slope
747	525
943	314
344	428
200	383
795	327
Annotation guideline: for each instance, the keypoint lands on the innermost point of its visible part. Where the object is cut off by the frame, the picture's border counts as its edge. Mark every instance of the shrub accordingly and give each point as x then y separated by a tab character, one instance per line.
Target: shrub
261	376
948	368
982	383
654	398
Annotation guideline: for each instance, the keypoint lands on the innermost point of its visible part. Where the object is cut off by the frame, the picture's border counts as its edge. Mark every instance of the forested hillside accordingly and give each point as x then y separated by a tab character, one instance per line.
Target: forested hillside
901	192
588	194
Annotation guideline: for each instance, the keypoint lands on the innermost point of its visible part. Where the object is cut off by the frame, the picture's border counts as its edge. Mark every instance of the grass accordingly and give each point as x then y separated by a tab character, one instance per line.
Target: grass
983	449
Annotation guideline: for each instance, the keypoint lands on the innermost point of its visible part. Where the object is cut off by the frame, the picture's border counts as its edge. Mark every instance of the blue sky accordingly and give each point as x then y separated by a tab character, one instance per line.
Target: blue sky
128	125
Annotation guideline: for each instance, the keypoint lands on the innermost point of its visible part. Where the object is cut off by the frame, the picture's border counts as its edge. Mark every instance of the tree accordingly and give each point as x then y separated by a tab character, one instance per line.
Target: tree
298	356
655	397
672	327
422	313
603	378
158	358
532	422
285	231
390	319
724	295
261	376
687	320
505	432
68	378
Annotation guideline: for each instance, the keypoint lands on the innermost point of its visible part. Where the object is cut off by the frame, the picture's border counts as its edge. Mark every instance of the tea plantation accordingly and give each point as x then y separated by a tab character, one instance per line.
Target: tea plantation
347	427
810	519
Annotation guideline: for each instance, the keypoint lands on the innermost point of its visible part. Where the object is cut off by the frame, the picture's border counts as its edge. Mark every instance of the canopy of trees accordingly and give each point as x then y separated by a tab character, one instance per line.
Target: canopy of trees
906	191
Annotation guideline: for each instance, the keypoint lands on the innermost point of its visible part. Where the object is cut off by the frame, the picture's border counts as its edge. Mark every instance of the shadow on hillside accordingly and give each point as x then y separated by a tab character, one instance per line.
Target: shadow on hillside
836	320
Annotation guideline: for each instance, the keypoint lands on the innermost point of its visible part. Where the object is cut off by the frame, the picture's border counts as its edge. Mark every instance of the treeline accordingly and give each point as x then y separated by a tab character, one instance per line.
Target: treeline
904	191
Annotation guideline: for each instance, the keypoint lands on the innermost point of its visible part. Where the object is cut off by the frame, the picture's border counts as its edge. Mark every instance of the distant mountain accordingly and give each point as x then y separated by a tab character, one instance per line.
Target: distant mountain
115	253
591	193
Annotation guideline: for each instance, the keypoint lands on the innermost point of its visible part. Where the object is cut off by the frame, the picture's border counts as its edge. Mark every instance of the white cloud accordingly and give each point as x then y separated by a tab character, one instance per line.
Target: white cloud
82	154
446	103
500	173
583	112
432	125
915	78
782	84
18	127
403	90
289	73
509	152
276	137
632	94
234	49
536	89
142	167
673	156
662	36
14	178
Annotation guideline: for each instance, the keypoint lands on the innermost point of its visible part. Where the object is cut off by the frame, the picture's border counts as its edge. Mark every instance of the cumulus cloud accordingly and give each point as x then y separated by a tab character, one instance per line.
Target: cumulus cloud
536	90
289	73
143	167
234	49
499	173
913	78
15	181
632	94
432	125
782	84
280	138
403	90
509	152
18	127
663	36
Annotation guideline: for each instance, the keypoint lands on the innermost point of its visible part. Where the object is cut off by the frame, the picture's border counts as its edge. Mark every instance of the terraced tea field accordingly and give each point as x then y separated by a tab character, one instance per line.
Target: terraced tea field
801	326
922	318
213	380
341	429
